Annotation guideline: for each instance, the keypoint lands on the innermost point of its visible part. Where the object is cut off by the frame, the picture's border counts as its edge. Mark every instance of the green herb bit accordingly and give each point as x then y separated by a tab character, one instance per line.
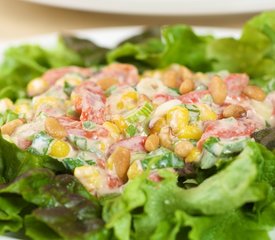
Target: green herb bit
40	144
68	88
131	130
162	158
89	125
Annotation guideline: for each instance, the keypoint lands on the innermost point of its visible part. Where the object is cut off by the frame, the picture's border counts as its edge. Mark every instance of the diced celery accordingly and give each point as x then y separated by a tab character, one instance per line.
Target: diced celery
68	88
131	130
40	143
88	125
72	163
215	149
141	113
162	158
79	142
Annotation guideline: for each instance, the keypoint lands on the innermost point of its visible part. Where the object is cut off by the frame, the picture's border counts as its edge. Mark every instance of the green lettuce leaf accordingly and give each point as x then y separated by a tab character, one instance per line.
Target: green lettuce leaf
178	44
14	161
151	207
253	53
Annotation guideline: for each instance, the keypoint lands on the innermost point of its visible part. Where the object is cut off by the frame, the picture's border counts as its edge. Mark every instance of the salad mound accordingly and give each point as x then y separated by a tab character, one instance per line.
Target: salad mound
162	143
109	126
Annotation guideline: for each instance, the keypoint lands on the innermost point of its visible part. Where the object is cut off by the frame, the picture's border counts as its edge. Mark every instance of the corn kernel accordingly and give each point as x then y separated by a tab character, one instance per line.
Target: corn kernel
59	149
49	100
110	164
193	156
113	129
120	105
160	123
134	170
119	121
129	96
177	118
22	108
130	100
89	176
37	86
5	104
102	146
190	132
206	113
74	96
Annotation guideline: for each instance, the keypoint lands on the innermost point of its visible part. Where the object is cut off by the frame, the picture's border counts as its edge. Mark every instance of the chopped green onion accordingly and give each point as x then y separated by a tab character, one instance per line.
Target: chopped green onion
131	130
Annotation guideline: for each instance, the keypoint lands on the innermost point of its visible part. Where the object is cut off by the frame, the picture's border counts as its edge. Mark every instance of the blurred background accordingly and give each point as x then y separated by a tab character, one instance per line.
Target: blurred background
21	19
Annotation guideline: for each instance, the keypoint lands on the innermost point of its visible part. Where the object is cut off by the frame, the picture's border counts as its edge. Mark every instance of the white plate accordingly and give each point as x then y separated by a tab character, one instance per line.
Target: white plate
164	7
110	37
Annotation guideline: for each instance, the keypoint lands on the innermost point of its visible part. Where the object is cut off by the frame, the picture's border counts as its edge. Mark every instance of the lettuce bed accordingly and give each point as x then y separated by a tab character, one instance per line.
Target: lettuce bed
39	199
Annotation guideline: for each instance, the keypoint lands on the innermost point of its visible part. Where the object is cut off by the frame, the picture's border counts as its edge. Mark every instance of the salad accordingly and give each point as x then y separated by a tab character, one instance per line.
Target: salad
162	137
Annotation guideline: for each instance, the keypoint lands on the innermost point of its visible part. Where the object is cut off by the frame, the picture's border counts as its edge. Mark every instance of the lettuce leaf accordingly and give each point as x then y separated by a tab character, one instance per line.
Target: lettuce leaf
25	62
152	208
14	161
64	209
178	44
253	53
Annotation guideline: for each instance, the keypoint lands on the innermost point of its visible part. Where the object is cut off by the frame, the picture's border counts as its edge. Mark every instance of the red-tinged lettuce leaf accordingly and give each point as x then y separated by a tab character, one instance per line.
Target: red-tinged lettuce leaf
64	206
14	161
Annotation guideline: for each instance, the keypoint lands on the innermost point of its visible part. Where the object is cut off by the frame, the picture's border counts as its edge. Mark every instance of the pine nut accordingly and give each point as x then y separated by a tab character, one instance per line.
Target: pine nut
187	86
170	78
10	127
235	111
218	90
121	159
183	148
54	128
106	83
165	138
254	92
152	142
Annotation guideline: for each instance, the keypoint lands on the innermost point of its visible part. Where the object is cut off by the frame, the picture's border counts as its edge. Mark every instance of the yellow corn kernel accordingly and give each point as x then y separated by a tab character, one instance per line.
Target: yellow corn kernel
130	100
190	132
193	156
177	118
129	96
110	163
37	86
113	129
49	100
89	176
5	104
73	81
120	105
159	124
134	170
206	113
119	121
59	149
23	108
74	96
102	146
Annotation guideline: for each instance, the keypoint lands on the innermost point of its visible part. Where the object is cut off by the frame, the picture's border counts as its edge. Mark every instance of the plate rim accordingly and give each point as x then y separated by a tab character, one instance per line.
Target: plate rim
165	7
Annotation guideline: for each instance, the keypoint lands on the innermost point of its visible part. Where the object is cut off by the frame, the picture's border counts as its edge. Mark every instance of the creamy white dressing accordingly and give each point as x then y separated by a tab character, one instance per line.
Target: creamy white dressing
152	86
27	130
162	109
